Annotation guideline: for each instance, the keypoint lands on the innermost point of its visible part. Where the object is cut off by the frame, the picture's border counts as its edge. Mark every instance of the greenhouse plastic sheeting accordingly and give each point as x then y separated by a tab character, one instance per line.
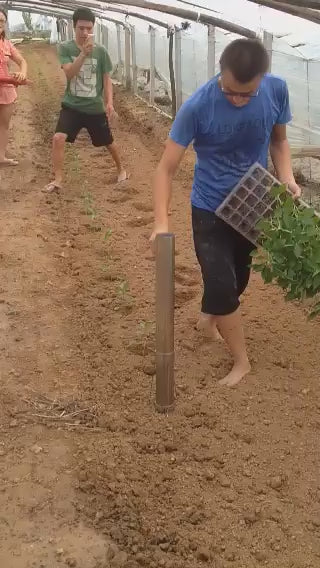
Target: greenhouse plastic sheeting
296	57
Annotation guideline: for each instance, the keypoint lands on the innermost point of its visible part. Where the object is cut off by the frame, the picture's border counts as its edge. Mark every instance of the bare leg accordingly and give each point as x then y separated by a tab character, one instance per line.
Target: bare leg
58	148
6	112
122	174
232	331
208	324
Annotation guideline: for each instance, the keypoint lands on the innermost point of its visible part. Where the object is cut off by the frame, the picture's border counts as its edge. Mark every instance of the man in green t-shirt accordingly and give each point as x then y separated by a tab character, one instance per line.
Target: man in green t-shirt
88	99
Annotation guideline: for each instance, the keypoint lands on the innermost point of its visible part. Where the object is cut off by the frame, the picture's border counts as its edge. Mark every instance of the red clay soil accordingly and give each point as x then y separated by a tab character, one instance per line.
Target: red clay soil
90	475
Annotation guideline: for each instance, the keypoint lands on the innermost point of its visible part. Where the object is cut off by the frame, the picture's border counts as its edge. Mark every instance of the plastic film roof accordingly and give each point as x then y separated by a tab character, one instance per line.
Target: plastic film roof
298	36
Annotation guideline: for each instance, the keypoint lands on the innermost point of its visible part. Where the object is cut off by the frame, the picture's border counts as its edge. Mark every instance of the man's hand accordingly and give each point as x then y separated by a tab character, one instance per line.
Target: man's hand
87	47
110	112
158	230
294	189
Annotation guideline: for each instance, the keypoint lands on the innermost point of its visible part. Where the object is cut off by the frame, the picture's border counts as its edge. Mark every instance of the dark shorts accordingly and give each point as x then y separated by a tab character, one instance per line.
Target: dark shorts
224	258
71	121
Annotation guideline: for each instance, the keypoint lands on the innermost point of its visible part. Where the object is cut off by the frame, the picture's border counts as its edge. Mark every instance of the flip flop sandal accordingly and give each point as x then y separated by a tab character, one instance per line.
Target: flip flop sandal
9	163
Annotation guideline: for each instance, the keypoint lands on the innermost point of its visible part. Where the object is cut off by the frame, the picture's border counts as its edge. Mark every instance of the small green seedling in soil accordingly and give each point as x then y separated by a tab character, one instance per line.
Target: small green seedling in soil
107	235
290	249
146	330
125	299
123	289
90	210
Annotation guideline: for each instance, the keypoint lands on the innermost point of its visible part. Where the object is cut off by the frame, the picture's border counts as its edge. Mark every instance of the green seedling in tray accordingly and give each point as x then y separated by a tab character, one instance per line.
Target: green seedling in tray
290	249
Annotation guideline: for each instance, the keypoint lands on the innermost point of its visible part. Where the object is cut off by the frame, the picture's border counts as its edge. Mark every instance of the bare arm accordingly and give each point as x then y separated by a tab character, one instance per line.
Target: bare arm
108	89
281	158
162	185
280	153
73	69
21	62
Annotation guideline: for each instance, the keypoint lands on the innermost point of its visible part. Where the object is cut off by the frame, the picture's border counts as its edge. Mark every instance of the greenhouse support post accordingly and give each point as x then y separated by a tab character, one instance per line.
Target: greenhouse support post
98	32
178	68
134	60
267	42
70	30
105	36
120	71
211	51
127	58
165	392
172	75
152	32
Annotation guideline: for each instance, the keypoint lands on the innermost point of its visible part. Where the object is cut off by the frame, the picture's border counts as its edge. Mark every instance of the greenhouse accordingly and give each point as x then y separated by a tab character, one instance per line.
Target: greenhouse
166	51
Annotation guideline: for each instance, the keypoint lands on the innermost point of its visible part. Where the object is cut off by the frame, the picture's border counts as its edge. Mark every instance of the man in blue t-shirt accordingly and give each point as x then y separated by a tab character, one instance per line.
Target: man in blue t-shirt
233	121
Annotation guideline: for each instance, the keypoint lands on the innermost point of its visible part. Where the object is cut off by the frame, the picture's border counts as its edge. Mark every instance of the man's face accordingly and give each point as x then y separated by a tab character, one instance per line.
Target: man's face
83	29
239	94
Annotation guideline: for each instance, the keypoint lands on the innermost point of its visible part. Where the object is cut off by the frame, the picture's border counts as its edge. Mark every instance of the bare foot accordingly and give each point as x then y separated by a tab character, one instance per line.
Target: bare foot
122	176
8	162
209	330
238	372
52	187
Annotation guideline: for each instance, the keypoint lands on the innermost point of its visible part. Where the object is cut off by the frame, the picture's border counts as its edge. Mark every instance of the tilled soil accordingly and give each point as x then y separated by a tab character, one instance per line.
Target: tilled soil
90	475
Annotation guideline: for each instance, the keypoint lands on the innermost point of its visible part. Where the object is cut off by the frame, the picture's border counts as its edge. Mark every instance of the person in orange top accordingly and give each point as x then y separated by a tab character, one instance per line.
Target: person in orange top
8	93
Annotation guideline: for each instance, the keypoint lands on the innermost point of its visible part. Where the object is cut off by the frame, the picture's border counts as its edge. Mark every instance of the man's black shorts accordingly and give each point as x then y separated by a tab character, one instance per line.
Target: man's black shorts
224	258
71	121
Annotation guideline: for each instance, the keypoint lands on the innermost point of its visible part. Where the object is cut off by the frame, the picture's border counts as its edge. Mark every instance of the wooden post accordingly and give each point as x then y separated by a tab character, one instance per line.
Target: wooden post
165	394
120	70
127	59
211	51
267	42
152	32
134	60
178	69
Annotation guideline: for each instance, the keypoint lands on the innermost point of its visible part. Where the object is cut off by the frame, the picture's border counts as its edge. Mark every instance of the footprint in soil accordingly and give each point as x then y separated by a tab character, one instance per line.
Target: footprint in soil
141	348
183	296
121	199
145	207
185	279
126	189
140	221
186	276
187	270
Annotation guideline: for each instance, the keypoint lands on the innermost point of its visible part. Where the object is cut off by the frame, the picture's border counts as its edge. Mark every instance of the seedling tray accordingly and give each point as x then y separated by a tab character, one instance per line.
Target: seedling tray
249	202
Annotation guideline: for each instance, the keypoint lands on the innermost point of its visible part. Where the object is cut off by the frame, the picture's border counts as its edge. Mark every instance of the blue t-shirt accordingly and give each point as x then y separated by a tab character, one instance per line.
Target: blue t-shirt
227	139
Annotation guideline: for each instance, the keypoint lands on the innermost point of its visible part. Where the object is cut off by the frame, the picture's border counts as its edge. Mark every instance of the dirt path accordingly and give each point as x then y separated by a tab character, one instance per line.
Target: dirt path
231	478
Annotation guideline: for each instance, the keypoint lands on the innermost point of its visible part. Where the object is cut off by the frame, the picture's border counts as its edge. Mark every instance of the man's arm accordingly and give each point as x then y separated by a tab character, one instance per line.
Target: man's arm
162	185
72	68
183	131
281	158
108	94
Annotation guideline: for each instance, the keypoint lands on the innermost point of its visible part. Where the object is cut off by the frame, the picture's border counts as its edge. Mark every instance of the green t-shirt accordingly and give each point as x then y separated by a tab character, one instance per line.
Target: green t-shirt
85	91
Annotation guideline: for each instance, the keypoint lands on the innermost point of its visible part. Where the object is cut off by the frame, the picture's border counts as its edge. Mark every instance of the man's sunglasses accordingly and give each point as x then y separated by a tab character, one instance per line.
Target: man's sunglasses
229	93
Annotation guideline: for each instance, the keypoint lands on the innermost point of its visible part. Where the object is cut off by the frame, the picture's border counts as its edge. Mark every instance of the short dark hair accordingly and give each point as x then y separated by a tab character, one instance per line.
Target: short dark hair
83	14
245	58
2	11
